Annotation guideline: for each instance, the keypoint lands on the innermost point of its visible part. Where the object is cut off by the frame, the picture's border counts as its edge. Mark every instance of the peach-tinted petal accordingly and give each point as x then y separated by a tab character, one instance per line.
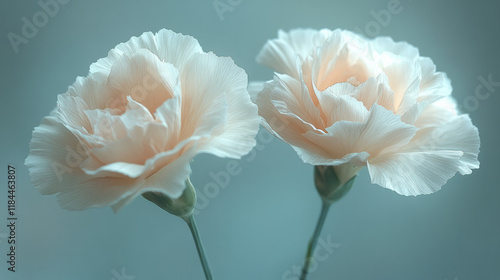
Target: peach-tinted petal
291	93
105	125
382	131
96	192
430	159
168	180
145	78
139	135
71	111
376	90
55	154
169	113
282	53
176	48
146	41
434	85
93	90
287	127
401	74
348	64
416	173
170	47
220	81
337	106
171	179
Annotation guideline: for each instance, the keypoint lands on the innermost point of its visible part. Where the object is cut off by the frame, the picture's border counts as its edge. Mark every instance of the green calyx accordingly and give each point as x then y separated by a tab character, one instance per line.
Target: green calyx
182	207
329	184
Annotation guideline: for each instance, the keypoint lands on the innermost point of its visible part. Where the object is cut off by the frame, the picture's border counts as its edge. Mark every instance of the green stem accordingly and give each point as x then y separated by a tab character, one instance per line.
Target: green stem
314	239
199	246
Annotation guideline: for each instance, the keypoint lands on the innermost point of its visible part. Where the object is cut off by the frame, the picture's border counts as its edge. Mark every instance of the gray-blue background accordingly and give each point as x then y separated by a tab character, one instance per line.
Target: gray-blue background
258	226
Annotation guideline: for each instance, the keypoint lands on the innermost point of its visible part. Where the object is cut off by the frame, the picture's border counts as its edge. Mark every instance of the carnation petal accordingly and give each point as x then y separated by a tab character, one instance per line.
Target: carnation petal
170	47
171	179
176	48
438	113
220	80
169	113
93	89
105	125
296	98
254	88
281	54
403	76
416	173
55	154
381	132
349	63
114	169
387	44
430	159
70	110
338	106
145	78
284	124
96	192
376	90
434	85
458	134
147	41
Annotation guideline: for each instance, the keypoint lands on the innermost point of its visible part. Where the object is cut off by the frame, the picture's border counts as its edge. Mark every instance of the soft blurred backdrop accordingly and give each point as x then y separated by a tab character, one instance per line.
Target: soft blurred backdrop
258	226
